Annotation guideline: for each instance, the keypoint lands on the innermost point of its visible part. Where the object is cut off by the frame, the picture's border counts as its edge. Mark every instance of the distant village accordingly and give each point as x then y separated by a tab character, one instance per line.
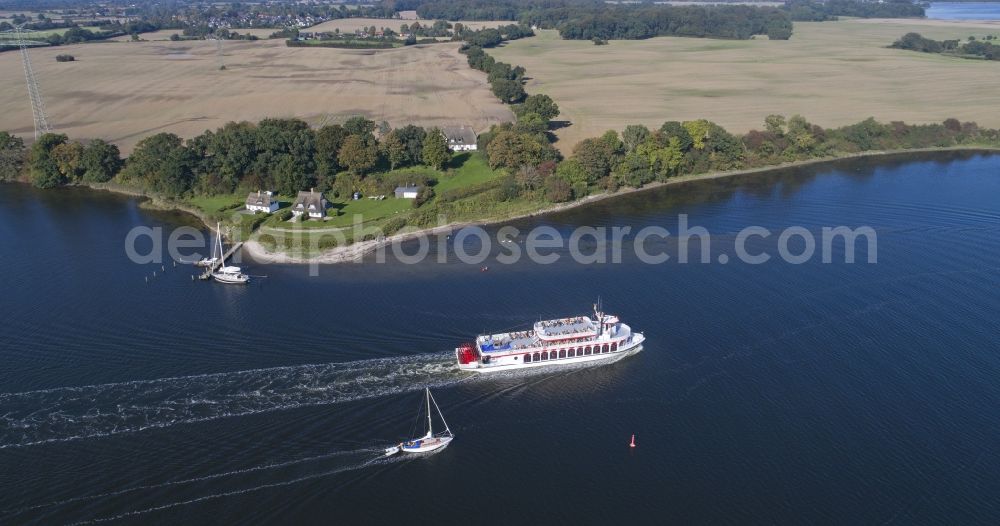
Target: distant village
220	16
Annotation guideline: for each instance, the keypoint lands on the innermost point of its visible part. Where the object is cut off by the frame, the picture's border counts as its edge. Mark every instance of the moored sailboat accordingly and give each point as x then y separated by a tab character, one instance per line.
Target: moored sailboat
224	274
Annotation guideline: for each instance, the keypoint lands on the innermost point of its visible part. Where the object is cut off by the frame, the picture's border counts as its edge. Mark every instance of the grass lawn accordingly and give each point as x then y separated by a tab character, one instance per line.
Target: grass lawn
370	210
211	204
466	169
420	172
215	203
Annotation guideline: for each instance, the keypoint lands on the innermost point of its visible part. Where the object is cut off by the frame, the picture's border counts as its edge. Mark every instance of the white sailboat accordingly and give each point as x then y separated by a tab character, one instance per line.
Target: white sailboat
209	262
430	441
224	274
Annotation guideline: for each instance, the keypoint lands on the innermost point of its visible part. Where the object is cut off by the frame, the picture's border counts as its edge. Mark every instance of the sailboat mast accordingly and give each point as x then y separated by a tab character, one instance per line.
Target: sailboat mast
445	422
218	237
215	244
430	430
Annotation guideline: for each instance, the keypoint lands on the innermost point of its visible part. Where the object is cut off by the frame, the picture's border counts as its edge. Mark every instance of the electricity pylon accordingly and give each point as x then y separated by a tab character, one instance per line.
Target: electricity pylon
37	104
218	52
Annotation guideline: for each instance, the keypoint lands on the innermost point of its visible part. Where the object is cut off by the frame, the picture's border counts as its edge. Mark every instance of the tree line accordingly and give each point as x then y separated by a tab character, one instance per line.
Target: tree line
53	160
471	9
73	35
526	142
640	155
591	19
597	20
627	22
817	11
286	155
492	37
972	48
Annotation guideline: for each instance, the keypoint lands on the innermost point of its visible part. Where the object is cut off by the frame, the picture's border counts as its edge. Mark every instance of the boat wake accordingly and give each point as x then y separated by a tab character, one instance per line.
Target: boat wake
205	478
213	496
73	413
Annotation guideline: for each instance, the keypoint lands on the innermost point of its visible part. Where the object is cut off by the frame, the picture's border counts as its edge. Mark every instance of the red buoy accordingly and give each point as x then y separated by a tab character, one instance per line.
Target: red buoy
632	444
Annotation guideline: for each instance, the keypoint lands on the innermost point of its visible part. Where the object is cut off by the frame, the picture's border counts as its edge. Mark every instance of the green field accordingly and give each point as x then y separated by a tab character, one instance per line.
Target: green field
833	73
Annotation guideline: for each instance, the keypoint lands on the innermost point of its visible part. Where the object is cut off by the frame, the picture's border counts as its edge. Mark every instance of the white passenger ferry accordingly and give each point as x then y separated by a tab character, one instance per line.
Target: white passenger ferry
550	343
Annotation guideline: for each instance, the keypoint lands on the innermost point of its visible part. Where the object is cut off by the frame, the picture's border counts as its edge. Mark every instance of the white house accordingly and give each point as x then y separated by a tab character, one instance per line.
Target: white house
312	203
460	138
407	192
262	202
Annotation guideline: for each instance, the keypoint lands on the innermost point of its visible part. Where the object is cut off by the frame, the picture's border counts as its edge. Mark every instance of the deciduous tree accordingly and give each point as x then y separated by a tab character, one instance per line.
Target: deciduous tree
329	140
100	161
634	135
676	129
698	130
532	123
775	124
412	139
435	149
146	163
634	170
44	170
510	149
595	157
508	91
557	189
359	126
541	104
68	156
12	156
358	155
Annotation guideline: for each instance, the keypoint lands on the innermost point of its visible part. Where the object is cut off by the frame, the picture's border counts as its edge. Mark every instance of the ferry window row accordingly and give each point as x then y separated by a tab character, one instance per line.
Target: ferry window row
572	352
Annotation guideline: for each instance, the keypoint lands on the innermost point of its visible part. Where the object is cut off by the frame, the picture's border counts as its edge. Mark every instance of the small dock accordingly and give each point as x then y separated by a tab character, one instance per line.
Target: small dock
215	266
229	253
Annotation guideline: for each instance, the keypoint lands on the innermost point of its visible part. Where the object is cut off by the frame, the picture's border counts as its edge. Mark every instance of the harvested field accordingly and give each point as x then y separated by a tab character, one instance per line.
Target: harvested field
349	25
834	73
123	92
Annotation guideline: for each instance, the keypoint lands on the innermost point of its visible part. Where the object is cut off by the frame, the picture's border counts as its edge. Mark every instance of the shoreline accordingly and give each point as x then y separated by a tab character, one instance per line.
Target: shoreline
356	251
152	201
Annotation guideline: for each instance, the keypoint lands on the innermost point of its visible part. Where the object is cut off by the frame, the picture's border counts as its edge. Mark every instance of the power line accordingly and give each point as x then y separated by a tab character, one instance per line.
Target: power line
218	52
37	105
